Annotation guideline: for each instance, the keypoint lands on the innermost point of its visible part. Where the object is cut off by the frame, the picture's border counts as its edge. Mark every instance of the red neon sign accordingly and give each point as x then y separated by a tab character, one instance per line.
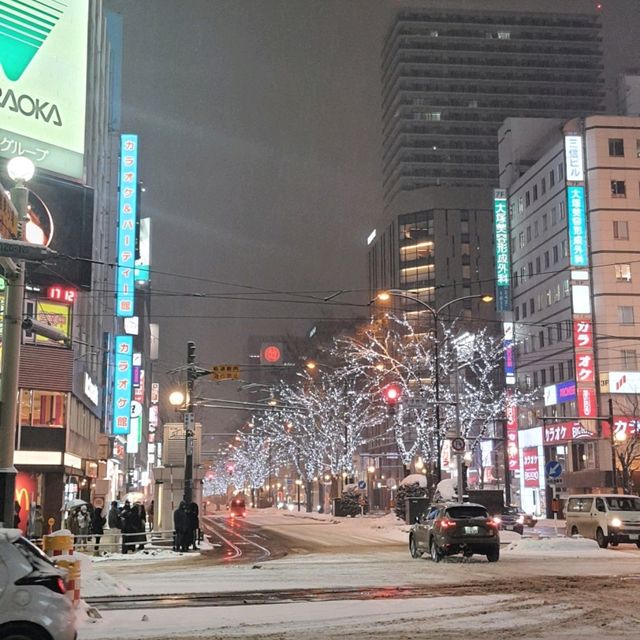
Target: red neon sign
63	294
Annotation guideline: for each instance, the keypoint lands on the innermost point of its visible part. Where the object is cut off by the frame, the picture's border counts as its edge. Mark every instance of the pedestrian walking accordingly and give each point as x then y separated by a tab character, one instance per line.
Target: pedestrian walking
151	514
137	520
97	527
115	526
83	519
37	526
16	515
181	527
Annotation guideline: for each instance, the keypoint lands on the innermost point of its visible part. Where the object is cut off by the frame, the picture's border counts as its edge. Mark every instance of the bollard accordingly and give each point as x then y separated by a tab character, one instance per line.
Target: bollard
59	545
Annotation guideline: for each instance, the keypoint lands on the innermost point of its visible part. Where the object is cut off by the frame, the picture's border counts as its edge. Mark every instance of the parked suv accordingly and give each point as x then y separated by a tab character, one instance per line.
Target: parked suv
32	601
607	518
454	528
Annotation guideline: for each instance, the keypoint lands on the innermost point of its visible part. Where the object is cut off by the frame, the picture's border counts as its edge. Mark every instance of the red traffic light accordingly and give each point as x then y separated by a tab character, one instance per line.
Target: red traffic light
391	394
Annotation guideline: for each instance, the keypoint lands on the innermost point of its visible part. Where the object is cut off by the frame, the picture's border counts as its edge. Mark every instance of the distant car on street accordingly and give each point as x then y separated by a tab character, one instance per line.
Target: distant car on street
33	605
511	519
237	507
453	528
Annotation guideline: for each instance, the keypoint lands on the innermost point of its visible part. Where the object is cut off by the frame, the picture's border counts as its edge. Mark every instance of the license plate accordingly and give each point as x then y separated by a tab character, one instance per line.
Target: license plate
508	526
471	530
633	536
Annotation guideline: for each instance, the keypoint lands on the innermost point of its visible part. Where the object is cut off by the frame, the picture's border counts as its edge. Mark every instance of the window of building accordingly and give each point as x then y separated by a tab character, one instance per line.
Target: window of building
620	229
555	254
543	376
513	244
524	310
566	288
552	178
433	33
545	221
543	186
520	205
561	209
560	172
583	456
523	275
560	371
618	189
535	379
546	259
432	115
529	233
535	192
515	279
550	335
504	35
42	408
532	305
554	216
541	339
552	374
629	359
517	312
521	240
616	147
623	272
527	199
556	294
638	148
540	301
564	249
536	229
548	297
530	269
538	265
625	315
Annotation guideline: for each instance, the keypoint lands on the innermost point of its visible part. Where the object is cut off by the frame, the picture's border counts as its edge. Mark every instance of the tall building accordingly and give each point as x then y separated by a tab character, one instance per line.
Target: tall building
451	77
574	250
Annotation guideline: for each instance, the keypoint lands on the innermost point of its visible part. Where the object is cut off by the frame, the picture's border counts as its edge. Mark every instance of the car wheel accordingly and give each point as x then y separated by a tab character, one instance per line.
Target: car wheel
22	632
601	539
494	555
436	554
574	531
413	548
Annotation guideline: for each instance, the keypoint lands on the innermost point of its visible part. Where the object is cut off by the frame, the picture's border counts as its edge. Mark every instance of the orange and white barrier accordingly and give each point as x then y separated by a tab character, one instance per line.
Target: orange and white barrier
59	545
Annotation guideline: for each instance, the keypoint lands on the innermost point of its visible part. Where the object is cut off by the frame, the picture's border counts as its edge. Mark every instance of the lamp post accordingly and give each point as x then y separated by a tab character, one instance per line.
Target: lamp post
435	314
298	485
20	170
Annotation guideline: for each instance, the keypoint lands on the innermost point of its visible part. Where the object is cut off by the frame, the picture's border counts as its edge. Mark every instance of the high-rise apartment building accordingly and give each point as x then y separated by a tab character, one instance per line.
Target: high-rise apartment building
451	77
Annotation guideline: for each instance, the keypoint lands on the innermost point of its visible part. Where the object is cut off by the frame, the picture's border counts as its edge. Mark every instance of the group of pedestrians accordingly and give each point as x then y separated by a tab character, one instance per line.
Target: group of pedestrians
85	523
130	521
186	524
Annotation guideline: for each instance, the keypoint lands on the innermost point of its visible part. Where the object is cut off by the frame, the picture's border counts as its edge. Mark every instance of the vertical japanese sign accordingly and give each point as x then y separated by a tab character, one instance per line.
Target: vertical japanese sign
127	212
509	353
578	251
531	467
574	158
122	385
503	261
511	411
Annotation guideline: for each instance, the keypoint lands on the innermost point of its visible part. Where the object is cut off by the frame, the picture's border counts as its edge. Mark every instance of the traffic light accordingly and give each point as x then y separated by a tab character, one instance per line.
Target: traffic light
391	396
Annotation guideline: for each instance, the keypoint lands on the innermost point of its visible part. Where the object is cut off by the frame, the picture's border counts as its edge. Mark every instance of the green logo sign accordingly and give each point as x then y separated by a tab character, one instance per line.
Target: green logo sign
24	26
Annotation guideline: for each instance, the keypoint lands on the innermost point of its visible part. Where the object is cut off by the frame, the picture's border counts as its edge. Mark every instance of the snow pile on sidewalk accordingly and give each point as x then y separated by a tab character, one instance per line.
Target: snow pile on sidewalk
560	546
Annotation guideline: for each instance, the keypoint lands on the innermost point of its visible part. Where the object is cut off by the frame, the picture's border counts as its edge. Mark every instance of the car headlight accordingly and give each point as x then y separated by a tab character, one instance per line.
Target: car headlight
497	519
616	522
520	520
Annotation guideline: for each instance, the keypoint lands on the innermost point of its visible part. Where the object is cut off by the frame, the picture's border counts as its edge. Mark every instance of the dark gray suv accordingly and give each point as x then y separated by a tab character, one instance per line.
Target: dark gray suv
455	528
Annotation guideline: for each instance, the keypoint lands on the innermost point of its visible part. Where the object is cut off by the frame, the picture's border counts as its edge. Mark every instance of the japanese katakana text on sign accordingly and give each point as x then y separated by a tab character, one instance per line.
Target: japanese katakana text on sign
123	362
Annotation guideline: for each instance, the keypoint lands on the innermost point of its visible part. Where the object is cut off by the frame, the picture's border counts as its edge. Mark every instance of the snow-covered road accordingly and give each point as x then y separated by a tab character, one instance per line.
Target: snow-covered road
539	589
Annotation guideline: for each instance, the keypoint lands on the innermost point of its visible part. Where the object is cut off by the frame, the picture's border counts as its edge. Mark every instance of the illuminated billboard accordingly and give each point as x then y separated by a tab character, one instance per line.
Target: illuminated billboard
503	262
574	158
123	362
578	251
127	213
43	82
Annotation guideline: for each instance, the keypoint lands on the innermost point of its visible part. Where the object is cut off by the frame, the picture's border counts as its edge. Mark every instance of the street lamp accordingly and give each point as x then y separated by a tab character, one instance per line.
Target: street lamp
435	313
20	170
298	485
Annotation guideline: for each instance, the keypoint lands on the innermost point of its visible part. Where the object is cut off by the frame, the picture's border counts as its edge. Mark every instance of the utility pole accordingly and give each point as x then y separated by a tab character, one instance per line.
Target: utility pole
11	340
614	462
189	424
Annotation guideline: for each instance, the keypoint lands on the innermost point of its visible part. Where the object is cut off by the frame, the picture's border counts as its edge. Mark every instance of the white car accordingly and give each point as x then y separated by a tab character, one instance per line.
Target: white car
32	601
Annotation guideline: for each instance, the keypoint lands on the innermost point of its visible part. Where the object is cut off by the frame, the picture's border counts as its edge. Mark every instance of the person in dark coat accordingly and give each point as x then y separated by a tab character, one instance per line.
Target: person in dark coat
127	528
139	517
16	515
181	526
97	527
194	524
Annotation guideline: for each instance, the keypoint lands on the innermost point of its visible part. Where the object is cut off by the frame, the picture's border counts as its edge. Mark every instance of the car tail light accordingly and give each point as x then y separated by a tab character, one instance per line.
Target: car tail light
55	583
497	519
494	522
447	523
245	514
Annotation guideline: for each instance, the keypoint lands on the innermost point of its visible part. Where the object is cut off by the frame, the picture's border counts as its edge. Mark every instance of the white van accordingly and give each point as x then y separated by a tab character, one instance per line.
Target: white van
607	518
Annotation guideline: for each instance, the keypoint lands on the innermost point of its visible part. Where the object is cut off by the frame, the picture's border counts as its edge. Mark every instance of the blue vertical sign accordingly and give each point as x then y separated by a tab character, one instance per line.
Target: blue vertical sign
127	212
578	251
122	385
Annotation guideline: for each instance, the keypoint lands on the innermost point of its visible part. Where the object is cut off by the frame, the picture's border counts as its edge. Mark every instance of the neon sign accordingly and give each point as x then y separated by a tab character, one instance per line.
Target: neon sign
503	262
63	294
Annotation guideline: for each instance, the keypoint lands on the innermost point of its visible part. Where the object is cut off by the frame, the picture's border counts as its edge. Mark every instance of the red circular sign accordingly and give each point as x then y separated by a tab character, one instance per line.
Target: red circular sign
271	353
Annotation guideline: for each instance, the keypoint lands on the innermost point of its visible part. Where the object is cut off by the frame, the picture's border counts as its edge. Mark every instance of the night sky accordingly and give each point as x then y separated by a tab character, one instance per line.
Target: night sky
260	136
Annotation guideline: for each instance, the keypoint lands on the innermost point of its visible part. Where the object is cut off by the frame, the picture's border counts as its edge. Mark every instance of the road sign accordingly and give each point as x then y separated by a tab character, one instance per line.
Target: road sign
553	469
362	484
458	445
22	250
225	372
415	403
